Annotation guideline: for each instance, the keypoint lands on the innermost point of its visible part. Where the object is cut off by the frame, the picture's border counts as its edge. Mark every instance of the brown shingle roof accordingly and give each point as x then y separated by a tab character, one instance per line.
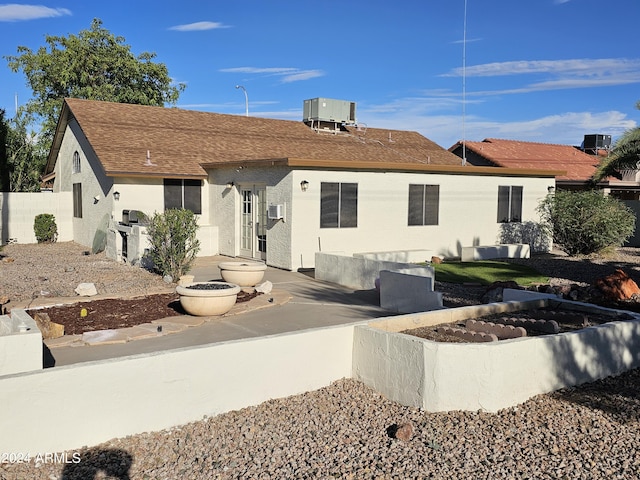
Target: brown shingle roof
182	143
579	166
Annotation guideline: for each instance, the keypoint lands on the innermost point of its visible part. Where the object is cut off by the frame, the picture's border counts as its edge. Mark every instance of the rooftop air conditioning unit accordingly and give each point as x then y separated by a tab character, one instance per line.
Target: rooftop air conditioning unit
329	110
593	142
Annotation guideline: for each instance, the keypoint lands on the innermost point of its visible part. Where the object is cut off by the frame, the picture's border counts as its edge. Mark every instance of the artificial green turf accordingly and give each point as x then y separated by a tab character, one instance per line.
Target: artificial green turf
487	272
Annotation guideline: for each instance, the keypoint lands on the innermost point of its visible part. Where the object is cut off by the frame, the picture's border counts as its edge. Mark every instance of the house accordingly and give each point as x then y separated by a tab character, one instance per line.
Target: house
579	164
278	190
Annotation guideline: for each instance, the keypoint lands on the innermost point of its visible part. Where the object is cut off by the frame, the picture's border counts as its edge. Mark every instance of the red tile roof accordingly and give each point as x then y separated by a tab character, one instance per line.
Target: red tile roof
579	166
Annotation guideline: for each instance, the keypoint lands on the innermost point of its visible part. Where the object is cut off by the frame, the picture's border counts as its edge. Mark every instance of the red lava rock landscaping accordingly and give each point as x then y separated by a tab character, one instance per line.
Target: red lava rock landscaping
116	313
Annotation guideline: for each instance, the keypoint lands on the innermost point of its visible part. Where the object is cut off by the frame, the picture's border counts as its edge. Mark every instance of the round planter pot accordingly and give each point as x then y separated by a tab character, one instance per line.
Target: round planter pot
208	298
245	274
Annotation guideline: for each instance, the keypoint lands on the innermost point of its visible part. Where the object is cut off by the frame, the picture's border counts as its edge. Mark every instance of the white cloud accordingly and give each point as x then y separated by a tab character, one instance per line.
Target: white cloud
198	26
13	12
581	67
417	114
302	75
287	74
257	70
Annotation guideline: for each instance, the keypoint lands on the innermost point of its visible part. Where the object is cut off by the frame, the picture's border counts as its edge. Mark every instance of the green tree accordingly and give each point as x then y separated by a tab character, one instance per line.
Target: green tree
22	158
93	65
625	155
586	222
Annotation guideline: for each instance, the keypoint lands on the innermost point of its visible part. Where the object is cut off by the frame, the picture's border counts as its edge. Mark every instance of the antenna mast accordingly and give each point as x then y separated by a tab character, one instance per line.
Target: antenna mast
464	84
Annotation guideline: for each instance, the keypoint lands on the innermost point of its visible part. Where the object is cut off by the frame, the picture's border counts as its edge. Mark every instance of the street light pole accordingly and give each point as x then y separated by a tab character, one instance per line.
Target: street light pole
246	99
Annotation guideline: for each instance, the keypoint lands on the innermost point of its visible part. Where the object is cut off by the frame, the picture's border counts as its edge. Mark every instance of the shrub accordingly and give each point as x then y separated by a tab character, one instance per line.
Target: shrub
586	222
174	245
45	228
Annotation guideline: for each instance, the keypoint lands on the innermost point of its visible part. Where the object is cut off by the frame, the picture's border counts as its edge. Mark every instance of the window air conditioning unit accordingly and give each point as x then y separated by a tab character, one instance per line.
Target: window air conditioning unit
275	212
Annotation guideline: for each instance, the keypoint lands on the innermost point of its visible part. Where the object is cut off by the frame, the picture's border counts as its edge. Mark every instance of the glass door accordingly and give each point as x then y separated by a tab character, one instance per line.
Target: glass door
253	222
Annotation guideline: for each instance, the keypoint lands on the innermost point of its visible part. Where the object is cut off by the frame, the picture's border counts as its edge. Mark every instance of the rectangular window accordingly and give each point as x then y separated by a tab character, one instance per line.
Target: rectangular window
77	200
338	205
185	194
424	204
509	204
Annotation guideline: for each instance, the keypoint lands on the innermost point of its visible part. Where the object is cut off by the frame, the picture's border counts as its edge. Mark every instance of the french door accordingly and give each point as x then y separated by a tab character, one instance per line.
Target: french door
253	222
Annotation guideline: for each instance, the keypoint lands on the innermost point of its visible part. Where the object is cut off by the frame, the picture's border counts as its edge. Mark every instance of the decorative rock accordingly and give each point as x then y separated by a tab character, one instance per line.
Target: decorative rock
86	290
499	330
494	291
404	432
167	279
7	260
467	335
48	328
618	286
544	326
264	287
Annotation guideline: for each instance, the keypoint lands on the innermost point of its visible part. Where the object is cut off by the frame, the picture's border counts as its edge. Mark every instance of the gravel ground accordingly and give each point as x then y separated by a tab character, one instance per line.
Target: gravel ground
54	270
346	430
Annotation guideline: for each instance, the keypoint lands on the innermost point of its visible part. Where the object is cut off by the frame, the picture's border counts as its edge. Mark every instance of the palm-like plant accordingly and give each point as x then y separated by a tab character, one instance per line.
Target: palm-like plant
625	155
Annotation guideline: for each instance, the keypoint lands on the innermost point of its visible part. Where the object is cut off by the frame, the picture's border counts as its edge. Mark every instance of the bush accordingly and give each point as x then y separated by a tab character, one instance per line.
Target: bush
45	228
174	245
586	222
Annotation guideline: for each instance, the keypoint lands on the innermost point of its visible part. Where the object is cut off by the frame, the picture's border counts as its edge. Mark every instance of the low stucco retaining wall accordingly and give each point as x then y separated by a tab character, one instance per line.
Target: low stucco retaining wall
20	343
357	272
89	403
487	376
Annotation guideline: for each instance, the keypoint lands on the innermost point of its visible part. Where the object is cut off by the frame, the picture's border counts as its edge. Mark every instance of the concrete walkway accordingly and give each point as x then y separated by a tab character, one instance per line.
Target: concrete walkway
299	302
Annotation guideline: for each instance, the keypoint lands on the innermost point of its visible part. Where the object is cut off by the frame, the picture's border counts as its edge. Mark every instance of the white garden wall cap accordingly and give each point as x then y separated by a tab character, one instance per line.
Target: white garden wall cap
242	266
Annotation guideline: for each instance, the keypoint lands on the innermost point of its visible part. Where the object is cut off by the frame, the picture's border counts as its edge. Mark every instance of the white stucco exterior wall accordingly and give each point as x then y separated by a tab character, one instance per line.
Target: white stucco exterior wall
467	215
225	204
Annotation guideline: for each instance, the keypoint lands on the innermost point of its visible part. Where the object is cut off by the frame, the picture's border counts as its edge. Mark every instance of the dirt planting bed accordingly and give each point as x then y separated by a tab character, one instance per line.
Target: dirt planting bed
545	321
115	313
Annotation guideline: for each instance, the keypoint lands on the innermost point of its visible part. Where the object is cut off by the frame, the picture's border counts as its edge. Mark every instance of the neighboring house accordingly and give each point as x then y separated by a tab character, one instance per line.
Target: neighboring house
579	164
278	190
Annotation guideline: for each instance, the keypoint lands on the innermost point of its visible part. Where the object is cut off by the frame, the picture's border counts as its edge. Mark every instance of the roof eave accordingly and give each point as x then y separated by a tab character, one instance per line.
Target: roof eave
399	167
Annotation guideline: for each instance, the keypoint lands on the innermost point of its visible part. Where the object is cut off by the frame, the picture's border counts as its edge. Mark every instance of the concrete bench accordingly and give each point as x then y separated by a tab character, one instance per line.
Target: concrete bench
487	252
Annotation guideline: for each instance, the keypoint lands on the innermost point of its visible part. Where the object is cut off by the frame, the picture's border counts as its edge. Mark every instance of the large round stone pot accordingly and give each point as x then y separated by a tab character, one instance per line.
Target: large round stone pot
204	299
245	274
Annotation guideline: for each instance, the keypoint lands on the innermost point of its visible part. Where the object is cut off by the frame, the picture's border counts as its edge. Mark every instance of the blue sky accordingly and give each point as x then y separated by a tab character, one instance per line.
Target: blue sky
536	70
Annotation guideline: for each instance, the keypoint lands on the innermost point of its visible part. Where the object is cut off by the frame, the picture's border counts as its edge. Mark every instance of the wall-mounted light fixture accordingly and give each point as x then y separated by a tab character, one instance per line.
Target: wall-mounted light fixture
230	185
304	185
96	199
551	189
116	196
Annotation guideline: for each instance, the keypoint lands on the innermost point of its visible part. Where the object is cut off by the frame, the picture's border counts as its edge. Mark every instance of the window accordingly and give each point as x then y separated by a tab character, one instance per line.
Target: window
183	194
424	202
509	204
338	205
77	200
75	167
